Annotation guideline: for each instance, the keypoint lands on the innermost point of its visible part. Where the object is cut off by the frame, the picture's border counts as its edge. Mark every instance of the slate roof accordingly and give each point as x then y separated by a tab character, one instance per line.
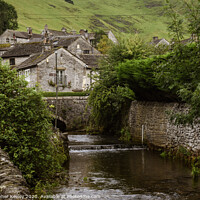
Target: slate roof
34	60
155	42
57	33
24	35
23	49
65	42
91	60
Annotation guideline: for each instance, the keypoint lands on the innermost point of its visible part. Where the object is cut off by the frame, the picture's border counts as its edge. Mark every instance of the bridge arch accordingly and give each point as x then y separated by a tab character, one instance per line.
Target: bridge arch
61	123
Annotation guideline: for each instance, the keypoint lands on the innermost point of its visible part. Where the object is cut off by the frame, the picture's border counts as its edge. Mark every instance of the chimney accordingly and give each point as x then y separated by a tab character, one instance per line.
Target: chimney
82	32
30	33
46	27
63	29
78	50
14	38
155	38
73	32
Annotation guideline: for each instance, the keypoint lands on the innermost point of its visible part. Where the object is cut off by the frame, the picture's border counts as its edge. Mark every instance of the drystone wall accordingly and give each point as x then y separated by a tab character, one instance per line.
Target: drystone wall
12	183
72	111
149	121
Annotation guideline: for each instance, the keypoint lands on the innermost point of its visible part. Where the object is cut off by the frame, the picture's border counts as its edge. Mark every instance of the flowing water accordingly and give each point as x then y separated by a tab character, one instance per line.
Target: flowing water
103	168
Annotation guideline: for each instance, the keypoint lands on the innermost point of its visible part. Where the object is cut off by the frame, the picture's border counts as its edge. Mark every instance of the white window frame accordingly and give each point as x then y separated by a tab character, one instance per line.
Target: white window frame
27	73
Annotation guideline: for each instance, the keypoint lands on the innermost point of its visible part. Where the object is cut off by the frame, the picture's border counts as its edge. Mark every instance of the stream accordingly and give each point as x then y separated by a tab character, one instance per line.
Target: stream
101	167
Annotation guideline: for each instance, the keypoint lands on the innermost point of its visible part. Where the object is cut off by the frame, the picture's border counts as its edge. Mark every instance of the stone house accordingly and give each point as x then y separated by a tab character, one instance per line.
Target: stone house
91	61
12	36
90	37
18	53
40	69
76	45
159	42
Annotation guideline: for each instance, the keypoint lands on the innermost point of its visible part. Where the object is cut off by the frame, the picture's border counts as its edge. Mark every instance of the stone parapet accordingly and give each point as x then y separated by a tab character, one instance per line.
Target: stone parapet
12	183
73	111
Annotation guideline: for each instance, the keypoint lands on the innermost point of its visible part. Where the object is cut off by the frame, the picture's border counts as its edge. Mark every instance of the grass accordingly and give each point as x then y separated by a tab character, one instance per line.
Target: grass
144	16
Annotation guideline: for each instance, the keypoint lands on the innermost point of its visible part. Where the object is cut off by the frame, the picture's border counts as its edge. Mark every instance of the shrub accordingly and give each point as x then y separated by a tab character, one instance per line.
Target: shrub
26	130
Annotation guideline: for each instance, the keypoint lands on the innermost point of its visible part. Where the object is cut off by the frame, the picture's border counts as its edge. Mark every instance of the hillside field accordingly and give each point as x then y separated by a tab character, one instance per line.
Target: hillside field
129	16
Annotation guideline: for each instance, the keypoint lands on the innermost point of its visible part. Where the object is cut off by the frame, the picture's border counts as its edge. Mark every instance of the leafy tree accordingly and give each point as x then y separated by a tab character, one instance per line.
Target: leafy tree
110	97
104	44
8	17
180	73
192	12
175	26
26	130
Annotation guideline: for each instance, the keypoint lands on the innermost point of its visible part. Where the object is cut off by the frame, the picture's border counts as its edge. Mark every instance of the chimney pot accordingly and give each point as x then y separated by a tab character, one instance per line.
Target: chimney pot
155	38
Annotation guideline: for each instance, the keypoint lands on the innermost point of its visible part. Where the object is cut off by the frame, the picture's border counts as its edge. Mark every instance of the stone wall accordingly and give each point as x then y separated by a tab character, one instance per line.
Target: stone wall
11	179
152	119
73	72
18	60
71	110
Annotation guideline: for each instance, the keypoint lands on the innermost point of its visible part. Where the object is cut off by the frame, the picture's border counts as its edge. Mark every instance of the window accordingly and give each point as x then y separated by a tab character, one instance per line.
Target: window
12	61
27	75
86	51
61	78
7	40
20	73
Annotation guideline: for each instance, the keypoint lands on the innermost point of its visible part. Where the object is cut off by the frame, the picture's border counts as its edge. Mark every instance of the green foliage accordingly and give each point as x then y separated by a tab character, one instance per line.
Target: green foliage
111	94
107	104
179	73
26	129
195	171
104	44
125	134
192	13
8	17
98	35
132	47
163	154
65	94
175	26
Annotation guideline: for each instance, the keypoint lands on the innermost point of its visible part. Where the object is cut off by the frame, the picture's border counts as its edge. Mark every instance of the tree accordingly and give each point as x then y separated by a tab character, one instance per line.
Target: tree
110	96
180	73
104	44
26	129
8	17
175	26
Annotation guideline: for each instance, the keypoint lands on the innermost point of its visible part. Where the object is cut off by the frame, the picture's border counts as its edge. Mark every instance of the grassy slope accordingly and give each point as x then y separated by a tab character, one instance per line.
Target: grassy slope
130	16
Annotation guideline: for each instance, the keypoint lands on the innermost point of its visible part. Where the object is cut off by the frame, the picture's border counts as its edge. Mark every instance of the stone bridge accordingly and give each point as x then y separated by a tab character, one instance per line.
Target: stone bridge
72	112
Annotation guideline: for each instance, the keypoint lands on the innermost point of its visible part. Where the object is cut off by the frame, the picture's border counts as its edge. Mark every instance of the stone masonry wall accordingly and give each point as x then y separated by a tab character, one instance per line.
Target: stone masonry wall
11	180
71	110
157	128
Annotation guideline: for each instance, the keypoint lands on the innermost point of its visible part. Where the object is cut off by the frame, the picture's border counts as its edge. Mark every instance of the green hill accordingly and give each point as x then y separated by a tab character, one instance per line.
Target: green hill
129	16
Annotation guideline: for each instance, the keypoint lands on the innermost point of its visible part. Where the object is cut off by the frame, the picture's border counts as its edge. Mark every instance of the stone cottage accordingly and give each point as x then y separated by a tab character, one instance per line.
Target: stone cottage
20	52
159	42
76	45
40	69
13	36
